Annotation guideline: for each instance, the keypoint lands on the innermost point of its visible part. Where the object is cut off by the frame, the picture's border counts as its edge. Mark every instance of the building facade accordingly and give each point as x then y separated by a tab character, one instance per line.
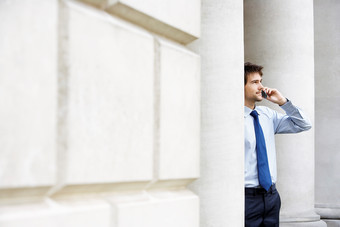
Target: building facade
121	113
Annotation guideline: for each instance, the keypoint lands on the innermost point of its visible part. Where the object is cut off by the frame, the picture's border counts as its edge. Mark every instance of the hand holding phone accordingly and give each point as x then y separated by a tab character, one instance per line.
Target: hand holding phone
273	95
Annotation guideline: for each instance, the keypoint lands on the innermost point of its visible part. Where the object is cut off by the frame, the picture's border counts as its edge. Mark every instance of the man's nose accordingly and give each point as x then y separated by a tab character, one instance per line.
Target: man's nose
261	86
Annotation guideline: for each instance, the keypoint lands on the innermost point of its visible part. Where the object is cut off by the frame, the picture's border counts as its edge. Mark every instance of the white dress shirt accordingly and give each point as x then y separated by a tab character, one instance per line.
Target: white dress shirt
272	122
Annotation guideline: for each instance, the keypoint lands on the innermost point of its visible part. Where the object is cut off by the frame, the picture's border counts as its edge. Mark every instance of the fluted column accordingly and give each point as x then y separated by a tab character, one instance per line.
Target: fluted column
279	36
327	120
220	186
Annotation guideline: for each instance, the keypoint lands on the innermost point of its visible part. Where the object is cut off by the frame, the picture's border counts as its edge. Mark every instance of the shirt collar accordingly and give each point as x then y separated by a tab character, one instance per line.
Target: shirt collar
247	111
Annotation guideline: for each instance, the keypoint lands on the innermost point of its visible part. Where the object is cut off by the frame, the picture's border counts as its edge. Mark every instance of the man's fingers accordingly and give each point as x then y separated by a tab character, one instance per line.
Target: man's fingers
270	91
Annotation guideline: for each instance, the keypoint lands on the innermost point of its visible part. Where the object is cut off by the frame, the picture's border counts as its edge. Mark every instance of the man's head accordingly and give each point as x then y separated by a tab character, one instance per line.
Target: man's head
252	83
250	68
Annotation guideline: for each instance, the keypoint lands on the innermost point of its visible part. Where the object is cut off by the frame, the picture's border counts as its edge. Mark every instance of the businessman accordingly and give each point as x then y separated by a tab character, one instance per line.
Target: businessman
262	200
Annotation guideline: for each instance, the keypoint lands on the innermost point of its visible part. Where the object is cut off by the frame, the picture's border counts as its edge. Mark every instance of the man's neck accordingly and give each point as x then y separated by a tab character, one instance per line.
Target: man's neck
250	105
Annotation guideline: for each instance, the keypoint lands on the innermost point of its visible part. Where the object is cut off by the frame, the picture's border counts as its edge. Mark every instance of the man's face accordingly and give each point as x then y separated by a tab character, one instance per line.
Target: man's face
253	88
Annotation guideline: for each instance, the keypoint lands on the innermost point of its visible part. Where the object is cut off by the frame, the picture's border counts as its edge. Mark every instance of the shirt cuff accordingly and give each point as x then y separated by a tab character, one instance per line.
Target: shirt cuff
288	107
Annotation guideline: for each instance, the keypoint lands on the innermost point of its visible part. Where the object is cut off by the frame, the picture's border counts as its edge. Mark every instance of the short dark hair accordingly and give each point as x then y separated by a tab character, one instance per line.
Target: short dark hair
250	68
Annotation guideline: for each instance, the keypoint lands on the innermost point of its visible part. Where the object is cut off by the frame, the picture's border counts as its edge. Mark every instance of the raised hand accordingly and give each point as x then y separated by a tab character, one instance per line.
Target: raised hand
273	95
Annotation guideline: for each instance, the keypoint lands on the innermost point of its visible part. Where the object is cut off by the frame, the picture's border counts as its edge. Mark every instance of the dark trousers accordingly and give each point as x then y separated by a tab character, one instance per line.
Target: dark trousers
262	208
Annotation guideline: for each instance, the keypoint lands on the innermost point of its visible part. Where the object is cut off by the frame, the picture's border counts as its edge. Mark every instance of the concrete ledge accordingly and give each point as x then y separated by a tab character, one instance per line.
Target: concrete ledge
88	189
170	184
176	20
22	195
151	23
75	190
157	208
57	213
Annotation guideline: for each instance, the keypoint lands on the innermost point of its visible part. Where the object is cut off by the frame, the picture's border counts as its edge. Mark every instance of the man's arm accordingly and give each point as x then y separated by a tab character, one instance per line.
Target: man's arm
294	121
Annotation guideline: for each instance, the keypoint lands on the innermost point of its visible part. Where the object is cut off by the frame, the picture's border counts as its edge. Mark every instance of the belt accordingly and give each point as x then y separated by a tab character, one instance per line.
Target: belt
260	190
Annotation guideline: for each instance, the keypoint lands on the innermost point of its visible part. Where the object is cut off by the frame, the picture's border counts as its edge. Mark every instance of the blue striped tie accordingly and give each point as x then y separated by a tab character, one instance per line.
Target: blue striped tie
261	152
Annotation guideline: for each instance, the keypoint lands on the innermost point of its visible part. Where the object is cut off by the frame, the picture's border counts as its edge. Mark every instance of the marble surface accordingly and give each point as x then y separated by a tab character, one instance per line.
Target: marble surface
179	112
110	100
28	93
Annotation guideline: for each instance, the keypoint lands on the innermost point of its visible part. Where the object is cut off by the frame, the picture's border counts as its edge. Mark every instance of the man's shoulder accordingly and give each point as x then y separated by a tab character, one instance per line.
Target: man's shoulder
266	111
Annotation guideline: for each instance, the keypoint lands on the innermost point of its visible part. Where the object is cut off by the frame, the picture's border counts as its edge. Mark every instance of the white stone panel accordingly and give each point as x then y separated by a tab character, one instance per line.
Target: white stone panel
110	101
28	88
179	112
53	214
175	19
166	209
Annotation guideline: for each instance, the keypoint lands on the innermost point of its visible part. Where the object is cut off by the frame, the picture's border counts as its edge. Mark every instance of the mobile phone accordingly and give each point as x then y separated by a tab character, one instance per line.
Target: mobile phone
264	94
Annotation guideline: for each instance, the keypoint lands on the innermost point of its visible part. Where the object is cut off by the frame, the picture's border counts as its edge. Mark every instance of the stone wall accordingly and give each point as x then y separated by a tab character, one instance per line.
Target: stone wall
100	117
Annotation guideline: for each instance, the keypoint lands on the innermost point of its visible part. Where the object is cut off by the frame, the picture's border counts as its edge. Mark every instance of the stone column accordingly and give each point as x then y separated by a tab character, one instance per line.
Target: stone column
279	36
327	120
220	186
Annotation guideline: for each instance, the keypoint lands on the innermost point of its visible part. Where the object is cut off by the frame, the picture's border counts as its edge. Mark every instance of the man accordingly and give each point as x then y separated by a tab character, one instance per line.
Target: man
262	200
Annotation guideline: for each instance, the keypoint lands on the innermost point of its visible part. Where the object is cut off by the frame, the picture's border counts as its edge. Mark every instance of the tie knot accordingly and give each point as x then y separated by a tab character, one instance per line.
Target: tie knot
254	114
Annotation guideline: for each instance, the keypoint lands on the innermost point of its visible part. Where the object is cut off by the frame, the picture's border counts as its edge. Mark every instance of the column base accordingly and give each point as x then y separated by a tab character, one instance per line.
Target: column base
332	223
328	211
303	224
308	218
